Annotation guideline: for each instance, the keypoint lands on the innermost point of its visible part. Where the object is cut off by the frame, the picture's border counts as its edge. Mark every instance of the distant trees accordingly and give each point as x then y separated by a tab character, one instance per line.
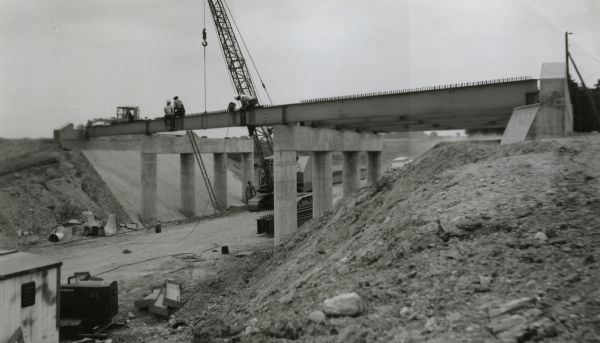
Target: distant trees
584	119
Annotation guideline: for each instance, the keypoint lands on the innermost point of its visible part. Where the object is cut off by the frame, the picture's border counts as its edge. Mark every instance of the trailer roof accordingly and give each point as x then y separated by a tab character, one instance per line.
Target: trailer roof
14	263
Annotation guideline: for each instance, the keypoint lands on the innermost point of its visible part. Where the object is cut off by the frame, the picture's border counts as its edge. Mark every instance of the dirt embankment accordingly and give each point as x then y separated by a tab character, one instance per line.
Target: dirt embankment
42	186
472	242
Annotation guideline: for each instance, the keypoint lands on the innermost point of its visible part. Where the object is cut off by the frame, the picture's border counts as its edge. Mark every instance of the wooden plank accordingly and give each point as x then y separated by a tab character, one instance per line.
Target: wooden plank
148	300
172	295
158	307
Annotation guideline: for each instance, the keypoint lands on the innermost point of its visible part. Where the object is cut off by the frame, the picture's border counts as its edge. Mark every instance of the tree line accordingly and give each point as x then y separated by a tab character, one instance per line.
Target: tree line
584	117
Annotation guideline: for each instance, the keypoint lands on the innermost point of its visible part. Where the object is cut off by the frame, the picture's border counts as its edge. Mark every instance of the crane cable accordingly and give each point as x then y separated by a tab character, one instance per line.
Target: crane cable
248	52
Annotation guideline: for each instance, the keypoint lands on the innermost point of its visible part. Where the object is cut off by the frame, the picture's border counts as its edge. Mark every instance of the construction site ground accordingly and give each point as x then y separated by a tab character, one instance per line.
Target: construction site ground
187	253
471	242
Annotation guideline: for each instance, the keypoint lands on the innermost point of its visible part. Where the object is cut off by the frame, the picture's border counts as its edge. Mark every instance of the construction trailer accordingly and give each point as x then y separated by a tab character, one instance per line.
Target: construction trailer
29	297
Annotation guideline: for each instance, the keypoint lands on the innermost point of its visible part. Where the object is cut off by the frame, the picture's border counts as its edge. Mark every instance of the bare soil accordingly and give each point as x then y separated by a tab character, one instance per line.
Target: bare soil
187	253
434	250
42	186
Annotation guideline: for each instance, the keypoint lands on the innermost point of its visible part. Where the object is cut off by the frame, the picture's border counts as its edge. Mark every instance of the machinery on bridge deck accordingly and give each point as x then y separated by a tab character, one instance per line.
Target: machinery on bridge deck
124	114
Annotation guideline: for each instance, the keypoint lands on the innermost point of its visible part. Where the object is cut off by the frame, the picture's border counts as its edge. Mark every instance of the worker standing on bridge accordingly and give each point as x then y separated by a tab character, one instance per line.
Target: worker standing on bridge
169	120
179	110
247	101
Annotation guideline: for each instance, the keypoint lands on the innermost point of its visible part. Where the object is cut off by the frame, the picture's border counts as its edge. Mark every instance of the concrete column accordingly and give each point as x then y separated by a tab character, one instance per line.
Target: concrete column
375	163
322	181
220	180
286	212
188	194
247	167
351	172
149	188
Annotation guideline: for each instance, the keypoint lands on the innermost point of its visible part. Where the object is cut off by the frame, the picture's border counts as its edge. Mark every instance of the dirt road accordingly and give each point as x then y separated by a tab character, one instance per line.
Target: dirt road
101	254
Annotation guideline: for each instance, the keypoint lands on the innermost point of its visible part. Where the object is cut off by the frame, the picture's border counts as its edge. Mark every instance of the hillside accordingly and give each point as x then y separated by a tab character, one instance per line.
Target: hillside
472	242
42	186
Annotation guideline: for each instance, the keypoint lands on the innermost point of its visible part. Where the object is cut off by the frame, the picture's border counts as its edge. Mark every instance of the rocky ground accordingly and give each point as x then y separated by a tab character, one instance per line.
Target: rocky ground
42	186
472	242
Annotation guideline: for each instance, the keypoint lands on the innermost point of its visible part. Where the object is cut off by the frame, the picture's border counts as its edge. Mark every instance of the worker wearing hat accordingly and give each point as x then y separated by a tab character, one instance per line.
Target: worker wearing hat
179	108
247	101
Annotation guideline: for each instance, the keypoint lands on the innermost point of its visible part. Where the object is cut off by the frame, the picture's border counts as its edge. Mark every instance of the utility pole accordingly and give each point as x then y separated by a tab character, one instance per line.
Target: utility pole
567	51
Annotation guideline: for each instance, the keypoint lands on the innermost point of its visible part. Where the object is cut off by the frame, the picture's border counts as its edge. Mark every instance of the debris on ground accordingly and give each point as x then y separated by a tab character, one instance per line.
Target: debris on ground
162	301
43	186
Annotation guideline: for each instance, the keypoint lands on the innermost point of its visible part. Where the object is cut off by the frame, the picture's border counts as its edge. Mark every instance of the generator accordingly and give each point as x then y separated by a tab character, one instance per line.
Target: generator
86	303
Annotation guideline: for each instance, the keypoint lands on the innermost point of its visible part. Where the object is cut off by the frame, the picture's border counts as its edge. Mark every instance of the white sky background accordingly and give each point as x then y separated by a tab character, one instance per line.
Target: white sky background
72	60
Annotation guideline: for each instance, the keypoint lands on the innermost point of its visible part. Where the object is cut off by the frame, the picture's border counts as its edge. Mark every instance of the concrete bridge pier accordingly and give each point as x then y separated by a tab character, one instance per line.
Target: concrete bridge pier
322	181
220	180
286	212
351	172
247	166
374	166
149	183
288	139
187	178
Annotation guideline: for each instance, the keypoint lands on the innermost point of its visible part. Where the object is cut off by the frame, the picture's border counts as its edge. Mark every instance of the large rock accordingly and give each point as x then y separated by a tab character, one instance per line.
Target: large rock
347	304
317	317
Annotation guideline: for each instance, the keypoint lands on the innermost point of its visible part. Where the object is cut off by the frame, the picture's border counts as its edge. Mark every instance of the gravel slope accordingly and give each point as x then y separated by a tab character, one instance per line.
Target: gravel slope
472	242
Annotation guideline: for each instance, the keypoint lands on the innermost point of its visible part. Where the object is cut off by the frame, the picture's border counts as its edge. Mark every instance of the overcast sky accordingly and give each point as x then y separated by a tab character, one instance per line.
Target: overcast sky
71	60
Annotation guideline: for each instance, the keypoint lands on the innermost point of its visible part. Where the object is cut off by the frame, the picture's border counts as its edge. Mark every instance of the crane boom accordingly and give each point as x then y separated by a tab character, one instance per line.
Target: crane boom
232	53
242	81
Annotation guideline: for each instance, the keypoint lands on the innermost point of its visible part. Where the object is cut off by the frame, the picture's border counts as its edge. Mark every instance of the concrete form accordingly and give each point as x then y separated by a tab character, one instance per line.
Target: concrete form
289	139
551	117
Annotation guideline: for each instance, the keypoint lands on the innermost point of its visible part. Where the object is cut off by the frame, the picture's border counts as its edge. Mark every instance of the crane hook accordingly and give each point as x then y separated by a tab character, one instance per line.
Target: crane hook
204	43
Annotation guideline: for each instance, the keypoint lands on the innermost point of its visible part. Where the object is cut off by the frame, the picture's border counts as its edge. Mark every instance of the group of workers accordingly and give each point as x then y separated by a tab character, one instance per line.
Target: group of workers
177	110
173	112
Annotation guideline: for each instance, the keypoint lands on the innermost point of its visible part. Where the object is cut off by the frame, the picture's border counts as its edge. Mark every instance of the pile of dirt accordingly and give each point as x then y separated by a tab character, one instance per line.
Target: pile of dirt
471	242
42	186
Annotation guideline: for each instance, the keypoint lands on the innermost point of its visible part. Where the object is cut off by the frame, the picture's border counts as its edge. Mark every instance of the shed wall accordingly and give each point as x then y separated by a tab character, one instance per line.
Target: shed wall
38	322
